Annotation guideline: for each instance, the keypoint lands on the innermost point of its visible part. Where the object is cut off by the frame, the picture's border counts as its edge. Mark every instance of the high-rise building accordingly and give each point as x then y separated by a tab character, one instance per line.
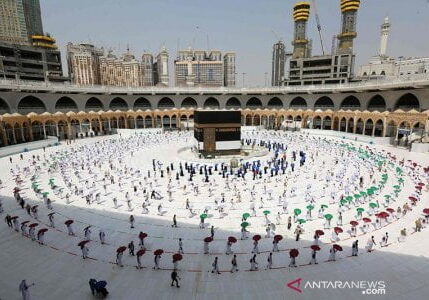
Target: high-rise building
147	69
229	68
204	68
161	74
338	67
84	63
278	64
13	27
33	17
125	71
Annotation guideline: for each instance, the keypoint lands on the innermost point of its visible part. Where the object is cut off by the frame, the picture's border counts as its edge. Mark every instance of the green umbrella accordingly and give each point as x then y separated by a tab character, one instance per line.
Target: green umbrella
373	205
45	193
363	194
370	192
357	196
349	198
310	207
203	216
387	196
374	188
396	187
246	215
343	201
360	209
301	221
401	180
328	217
323	206
245	224
266	212
297	211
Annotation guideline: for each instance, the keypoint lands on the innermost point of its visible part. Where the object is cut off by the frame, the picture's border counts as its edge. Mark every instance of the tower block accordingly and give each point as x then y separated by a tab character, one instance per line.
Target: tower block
349	9
301	13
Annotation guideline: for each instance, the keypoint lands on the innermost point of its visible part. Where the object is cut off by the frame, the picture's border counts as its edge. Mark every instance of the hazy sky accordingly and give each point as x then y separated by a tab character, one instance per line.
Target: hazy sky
244	26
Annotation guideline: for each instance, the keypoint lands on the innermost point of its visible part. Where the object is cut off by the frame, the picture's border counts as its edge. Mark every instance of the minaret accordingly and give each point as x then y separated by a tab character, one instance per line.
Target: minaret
301	13
348	33
385	30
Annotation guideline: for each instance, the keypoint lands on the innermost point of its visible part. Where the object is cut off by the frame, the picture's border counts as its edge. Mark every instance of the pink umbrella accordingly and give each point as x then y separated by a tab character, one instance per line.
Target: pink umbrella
366	220
390	210
426	211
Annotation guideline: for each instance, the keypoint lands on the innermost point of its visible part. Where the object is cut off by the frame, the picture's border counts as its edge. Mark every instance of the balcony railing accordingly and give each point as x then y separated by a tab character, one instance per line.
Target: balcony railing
379	83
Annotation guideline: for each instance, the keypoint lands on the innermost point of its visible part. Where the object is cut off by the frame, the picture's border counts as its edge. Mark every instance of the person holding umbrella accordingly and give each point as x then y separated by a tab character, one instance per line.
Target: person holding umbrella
175	278
332	252
119	254
139	255
228	248
69	227
32	231
215	266
24	288
256	239
313	260
370	244
15	223
24	228
157	259
87	232
41	236
84	249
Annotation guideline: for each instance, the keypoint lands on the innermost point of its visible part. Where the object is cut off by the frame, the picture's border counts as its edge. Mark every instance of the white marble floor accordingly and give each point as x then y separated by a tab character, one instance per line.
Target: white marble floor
59	272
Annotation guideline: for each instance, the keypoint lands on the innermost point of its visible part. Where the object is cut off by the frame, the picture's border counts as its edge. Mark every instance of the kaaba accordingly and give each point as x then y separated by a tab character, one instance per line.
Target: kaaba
217	132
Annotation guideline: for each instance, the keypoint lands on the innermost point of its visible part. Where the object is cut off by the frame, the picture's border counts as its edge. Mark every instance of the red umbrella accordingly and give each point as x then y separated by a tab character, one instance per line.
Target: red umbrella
293	252
25	222
414	199
33	225
383	215
421	184
390	210
68	222
141	252
158	252
177	257
315	247
278	237
256	237
232	239
142	235
419	187
319	232
338	230
14	217
43	230
82	243
121	249
208	239
426	211
337	247
367	220
354	223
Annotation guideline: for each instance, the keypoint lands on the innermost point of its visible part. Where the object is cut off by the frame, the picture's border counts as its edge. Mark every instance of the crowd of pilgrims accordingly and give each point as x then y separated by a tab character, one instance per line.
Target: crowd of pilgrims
299	170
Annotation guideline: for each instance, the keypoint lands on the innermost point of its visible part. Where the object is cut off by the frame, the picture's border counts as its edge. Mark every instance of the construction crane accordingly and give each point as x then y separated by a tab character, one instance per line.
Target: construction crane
319	27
